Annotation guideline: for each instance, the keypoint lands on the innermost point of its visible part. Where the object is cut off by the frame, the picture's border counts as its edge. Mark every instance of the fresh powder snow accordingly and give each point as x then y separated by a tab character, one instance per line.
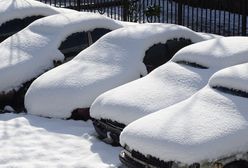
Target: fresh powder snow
31	141
31	52
172	82
210	125
115	59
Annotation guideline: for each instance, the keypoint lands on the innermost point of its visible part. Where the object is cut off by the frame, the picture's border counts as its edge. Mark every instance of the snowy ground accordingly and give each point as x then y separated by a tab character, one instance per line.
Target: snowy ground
31	141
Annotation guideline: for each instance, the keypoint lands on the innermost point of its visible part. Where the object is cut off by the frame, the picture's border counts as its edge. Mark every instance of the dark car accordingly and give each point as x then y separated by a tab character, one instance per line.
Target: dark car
16	15
44	44
209	129
185	74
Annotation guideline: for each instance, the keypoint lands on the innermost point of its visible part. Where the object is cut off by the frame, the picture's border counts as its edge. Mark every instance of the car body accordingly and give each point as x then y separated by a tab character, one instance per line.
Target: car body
208	129
115	59
44	44
16	15
187	72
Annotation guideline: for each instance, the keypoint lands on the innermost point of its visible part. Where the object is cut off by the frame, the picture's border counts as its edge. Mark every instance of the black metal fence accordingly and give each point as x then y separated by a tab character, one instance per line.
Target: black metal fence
225	17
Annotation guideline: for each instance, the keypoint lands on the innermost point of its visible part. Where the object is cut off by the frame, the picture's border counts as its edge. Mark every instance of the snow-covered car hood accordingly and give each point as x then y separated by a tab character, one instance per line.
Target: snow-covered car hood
19	9
208	126
115	59
166	85
32	51
171	82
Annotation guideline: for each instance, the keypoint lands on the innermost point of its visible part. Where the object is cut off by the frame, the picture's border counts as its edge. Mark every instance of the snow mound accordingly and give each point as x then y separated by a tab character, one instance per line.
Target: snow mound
32	51
235	78
165	86
171	82
115	59
19	9
210	125
215	54
30	141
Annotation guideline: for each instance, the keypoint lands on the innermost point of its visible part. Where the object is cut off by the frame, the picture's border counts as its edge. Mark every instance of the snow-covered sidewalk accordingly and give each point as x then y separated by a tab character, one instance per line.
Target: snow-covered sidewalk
31	141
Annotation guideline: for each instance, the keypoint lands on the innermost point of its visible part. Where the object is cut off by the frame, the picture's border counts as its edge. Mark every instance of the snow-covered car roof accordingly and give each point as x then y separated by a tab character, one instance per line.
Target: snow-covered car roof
210	125
187	72
19	9
17	14
32	51
113	60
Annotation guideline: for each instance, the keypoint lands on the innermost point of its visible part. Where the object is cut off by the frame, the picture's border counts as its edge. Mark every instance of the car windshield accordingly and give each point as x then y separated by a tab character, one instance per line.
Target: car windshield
12	26
160	53
192	64
74	44
231	91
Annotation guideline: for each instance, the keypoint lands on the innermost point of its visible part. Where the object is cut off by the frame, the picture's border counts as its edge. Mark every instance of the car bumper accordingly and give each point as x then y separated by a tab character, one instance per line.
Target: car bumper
108	131
133	159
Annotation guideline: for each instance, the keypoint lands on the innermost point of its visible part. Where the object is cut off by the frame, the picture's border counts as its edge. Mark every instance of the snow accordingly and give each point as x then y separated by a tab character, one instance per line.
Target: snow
31	141
221	52
171	82
165	86
115	59
234	77
209	125
32	51
19	9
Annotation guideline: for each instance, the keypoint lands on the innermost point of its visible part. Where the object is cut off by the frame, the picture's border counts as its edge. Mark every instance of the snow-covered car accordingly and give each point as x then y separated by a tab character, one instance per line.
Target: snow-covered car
206	130
187	72
17	14
44	44
115	59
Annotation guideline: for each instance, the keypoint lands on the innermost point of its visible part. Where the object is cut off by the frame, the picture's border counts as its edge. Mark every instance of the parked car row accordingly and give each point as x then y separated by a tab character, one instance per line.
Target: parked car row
171	97
113	60
44	44
185	74
209	129
16	15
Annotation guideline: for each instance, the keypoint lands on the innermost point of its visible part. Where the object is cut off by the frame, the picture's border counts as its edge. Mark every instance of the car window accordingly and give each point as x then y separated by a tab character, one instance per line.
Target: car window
231	91
13	26
98	33
192	64
74	44
160	53
156	56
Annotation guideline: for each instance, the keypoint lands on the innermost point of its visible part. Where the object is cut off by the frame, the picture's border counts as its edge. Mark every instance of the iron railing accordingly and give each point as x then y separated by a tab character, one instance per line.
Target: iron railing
224	17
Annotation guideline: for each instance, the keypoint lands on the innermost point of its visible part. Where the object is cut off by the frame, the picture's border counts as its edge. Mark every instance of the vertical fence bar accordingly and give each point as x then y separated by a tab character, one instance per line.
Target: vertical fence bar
143	11
180	13
244	17
225	18
163	13
78	5
234	23
167	11
219	4
197	20
125	9
215	18
192	17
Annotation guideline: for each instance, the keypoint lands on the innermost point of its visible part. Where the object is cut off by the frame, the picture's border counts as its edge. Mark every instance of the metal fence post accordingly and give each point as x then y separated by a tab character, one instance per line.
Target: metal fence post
125	6
78	5
180	13
244	18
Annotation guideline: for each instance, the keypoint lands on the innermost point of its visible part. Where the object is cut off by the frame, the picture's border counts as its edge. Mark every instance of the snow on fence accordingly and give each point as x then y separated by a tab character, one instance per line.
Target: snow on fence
224	17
